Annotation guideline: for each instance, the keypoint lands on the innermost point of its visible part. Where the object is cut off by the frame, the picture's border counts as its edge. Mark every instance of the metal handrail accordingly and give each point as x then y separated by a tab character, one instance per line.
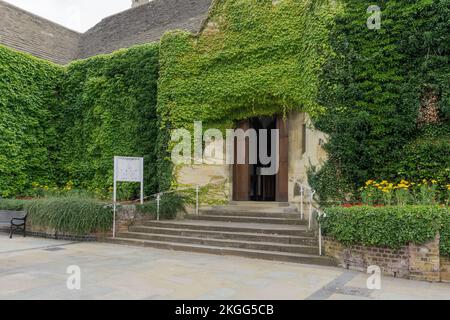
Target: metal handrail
312	192
304	187
158	196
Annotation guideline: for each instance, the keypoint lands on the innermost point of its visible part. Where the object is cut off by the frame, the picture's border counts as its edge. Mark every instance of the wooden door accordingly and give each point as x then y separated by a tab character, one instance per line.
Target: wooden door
241	172
282	176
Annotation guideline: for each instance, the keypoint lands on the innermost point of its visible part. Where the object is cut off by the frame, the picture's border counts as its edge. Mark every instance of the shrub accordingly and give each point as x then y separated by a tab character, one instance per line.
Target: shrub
13	204
331	186
72	214
170	205
445	235
391	227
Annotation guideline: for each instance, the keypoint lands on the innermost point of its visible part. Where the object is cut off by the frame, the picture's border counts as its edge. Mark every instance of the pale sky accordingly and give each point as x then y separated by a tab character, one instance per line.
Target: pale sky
78	15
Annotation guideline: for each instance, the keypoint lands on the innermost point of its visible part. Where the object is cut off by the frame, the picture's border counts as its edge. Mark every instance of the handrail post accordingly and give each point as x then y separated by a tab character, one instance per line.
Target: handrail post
158	199
197	204
310	207
320	240
301	203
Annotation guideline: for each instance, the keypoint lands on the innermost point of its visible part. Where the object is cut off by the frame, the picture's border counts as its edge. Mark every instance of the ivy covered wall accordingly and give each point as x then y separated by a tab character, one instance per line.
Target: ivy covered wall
63	125
252	57
29	102
109	109
386	96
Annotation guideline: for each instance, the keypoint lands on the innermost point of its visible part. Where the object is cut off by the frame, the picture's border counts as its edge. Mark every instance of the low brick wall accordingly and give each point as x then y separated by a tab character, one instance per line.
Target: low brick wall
418	262
445	269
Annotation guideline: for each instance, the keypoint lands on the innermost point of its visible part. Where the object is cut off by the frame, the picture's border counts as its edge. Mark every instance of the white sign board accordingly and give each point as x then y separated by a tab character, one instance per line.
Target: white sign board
127	169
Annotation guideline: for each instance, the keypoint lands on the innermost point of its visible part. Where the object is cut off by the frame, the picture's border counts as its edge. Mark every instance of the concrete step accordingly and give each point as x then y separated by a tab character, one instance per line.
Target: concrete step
259	228
251	245
248	219
264	204
241	236
253	209
240	213
257	254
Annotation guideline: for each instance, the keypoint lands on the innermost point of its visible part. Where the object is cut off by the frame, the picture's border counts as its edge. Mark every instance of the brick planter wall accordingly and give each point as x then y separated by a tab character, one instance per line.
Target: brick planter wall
445	269
418	262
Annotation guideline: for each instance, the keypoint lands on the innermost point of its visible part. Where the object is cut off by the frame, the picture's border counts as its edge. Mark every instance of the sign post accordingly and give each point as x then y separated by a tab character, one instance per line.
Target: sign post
127	169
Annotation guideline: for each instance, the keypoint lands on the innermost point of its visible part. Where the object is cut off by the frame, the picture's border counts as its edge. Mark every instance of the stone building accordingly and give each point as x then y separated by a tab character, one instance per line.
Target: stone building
145	22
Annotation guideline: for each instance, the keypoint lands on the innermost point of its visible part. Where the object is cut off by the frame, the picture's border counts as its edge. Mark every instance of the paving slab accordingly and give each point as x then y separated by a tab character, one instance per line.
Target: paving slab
29	270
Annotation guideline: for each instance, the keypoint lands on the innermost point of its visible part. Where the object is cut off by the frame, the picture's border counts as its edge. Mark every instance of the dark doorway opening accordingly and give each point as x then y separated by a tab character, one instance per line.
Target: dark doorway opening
248	182
262	187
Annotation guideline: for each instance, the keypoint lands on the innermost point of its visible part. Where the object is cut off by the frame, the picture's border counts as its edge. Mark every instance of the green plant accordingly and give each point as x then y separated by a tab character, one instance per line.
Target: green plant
72	214
445	235
391	227
29	103
257	59
331	186
170	205
13	204
375	84
109	109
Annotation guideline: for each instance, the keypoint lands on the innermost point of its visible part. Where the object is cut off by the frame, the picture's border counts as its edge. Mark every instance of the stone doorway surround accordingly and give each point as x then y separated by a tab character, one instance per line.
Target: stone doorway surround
305	148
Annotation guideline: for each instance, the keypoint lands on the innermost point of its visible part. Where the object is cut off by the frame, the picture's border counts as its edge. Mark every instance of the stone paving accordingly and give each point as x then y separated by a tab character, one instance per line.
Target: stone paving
34	268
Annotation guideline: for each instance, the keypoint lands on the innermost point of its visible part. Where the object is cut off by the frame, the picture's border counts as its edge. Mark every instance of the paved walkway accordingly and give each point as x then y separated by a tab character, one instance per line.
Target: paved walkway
34	268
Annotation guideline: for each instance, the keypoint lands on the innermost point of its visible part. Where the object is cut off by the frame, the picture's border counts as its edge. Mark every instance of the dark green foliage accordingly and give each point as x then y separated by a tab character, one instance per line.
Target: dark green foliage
330	184
170	205
427	157
391	226
445	235
28	104
109	109
373	87
73	215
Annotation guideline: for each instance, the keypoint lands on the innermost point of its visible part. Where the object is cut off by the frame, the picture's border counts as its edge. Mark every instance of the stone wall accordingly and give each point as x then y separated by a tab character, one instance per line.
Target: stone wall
300	159
418	262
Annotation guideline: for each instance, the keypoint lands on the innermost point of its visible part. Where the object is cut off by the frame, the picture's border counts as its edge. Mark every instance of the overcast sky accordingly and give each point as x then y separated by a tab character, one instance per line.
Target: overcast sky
79	15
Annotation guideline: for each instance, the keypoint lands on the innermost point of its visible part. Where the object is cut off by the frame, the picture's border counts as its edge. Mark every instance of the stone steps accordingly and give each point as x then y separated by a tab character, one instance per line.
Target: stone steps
259	204
256	254
221	226
249	213
224	243
241	236
247	219
253	230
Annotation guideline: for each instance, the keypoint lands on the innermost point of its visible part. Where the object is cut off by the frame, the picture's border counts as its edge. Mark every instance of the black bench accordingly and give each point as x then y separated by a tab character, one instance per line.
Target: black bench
14	220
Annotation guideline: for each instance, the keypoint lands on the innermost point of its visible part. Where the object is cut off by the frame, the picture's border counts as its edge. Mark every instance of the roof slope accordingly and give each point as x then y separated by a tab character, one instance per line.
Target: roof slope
24	31
27	32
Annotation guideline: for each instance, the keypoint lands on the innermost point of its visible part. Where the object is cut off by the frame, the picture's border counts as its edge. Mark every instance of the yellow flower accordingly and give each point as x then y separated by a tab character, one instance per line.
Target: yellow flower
369	182
448	187
433	181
